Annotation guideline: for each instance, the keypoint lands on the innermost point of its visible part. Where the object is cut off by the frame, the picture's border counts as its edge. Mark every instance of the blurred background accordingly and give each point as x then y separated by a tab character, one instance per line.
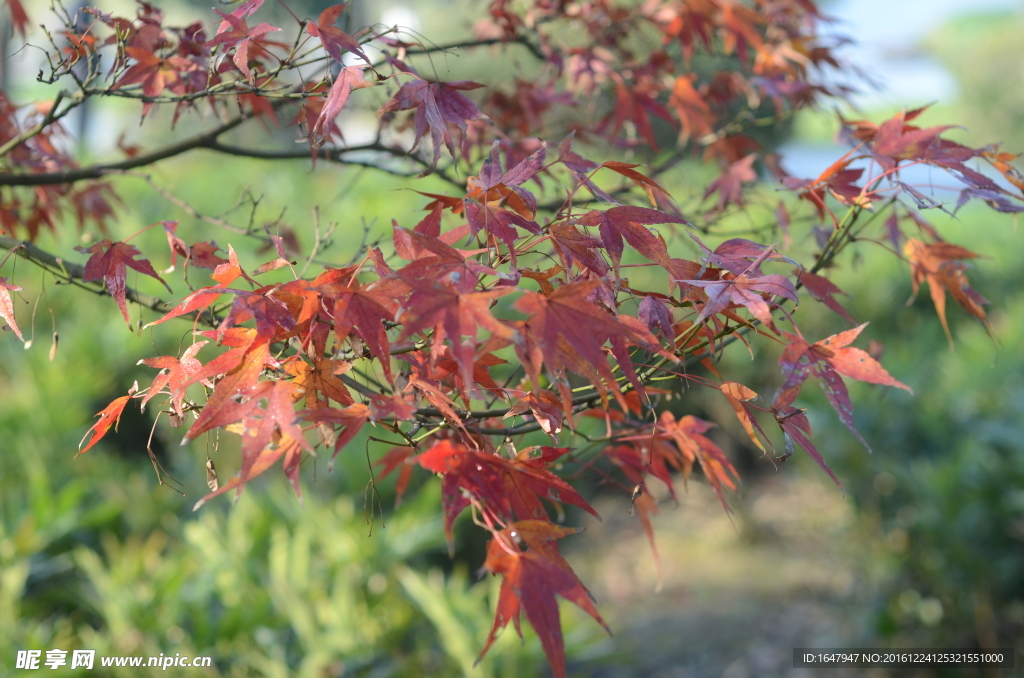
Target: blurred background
925	548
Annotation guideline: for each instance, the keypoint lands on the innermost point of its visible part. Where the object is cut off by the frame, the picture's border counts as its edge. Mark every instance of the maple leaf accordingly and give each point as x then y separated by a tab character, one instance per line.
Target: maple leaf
533	572
567	321
274	319
688	436
109	416
434	260
546	410
246	9
695	116
827	360
231	399
993	198
838	180
739	255
437	104
738	396
487	186
333	39
824	290
109	261
498	222
1001	161
7	306
895	140
322	378
656	316
262	426
225	274
453	316
627	222
574	246
797	429
462	469
351	418
397	458
175	373
204	255
729	183
241	37
527	480
940	265
745	290
503	488
19	17
290	449
446	365
197	301
94	202
155	74
635	103
655	192
364	309
350	78
176	244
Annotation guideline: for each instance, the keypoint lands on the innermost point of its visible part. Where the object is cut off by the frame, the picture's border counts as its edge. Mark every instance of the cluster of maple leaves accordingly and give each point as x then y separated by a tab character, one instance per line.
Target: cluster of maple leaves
522	264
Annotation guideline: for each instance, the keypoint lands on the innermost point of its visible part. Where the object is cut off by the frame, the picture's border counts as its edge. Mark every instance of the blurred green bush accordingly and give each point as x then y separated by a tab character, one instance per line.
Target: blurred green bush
940	503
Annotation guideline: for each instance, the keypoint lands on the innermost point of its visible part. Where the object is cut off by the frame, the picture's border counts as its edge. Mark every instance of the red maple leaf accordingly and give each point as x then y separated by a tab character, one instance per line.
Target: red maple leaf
738	396
940	264
109	416
232	399
351	419
453	316
350	78
262	426
363	310
19	17
526	555
566	331
745	290
241	38
333	38
729	183
434	260
692	445
7	306
177	374
437	104
155	74
397	458
627	222
545	408
503	489
895	140
204	255
824	290
827	360
109	261
574	246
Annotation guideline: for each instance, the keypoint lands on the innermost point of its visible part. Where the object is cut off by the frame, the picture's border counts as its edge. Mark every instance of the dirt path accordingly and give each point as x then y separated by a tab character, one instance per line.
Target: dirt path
737	597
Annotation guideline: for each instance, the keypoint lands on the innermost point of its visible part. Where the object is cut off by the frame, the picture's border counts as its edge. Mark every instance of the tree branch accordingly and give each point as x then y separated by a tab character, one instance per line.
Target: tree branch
72	273
99	170
335	155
